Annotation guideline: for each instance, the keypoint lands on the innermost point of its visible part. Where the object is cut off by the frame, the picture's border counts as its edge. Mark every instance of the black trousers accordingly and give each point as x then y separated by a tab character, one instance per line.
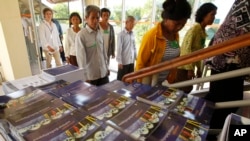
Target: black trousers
63	58
221	91
100	81
125	70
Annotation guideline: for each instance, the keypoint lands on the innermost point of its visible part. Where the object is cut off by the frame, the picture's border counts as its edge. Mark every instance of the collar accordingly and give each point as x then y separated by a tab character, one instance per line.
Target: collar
90	30
126	31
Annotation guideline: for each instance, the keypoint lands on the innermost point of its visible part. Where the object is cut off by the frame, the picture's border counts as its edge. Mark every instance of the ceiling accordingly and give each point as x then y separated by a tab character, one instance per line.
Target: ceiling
24	6
59	1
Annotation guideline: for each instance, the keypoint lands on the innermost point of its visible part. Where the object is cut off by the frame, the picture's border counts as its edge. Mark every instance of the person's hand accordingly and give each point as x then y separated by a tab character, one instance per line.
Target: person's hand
61	49
120	66
190	74
67	59
50	49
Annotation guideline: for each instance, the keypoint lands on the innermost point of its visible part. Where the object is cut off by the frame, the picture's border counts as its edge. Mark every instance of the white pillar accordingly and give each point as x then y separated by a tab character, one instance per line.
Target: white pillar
13	52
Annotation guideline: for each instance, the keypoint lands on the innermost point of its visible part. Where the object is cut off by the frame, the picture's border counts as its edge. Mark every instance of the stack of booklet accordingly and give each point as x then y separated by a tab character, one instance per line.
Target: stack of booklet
114	111
233	128
68	73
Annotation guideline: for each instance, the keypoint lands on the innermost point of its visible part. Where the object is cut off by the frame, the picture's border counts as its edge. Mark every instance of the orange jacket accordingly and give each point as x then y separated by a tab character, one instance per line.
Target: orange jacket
152	49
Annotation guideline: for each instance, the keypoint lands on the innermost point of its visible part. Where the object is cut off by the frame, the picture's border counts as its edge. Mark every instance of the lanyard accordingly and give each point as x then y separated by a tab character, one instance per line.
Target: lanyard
49	27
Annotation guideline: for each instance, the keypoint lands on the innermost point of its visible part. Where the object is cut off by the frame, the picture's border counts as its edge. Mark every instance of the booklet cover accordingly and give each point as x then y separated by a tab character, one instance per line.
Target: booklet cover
68	73
108	105
161	96
178	128
61	70
114	85
25	99
78	126
37	117
77	85
79	93
139	120
129	90
18	84
53	86
195	108
133	90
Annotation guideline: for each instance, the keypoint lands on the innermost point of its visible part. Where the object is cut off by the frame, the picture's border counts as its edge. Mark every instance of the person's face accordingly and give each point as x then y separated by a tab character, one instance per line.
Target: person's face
48	15
173	26
130	25
93	20
209	18
105	16
75	21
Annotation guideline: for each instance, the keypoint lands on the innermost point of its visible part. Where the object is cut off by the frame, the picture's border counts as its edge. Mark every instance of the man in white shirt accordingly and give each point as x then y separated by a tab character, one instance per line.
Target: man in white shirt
126	49
90	51
49	38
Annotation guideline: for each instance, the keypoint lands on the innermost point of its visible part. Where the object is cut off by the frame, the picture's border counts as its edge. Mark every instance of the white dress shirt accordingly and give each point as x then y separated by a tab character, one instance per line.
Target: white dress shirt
91	54
49	36
126	49
70	48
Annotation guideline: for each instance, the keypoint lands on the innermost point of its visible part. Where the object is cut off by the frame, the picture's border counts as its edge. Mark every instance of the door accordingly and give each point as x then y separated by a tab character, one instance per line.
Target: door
30	15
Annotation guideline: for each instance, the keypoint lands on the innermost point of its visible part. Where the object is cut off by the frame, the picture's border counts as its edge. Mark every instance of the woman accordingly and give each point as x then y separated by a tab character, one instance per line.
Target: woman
70	50
49	38
195	40
161	43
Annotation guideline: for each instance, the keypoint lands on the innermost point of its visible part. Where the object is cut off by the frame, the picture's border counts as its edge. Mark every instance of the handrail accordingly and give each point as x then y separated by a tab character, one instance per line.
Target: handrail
227	46
232	104
230	74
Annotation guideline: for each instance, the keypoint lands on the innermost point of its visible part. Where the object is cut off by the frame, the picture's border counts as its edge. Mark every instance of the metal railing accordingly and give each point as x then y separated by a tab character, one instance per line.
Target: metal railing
227	46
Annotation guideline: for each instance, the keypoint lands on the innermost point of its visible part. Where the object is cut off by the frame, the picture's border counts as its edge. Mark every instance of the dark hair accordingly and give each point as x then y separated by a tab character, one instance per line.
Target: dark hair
203	11
91	8
105	10
176	10
72	15
46	9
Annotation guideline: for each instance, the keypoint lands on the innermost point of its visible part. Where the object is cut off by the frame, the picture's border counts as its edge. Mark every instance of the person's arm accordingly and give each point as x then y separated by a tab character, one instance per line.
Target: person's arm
56	37
119	50
144	53
80	53
113	41
42	37
134	47
186	47
67	44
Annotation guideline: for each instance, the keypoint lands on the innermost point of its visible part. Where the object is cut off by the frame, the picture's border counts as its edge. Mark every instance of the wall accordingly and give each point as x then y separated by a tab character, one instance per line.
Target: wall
13	52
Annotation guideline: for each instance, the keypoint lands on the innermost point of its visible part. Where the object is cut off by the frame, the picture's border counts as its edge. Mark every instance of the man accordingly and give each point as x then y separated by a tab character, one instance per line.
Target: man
59	28
126	49
108	33
90	52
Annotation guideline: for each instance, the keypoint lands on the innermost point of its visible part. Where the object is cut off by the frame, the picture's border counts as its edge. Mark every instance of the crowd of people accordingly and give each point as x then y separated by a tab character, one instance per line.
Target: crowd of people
91	46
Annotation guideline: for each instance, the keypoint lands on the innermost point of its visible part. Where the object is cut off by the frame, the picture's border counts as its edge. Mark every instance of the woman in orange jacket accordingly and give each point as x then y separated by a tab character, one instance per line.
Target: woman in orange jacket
161	43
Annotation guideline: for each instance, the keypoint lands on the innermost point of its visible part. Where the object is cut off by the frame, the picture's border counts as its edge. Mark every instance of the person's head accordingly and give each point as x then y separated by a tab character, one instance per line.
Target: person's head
92	16
130	23
74	19
105	14
206	13
175	14
47	14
